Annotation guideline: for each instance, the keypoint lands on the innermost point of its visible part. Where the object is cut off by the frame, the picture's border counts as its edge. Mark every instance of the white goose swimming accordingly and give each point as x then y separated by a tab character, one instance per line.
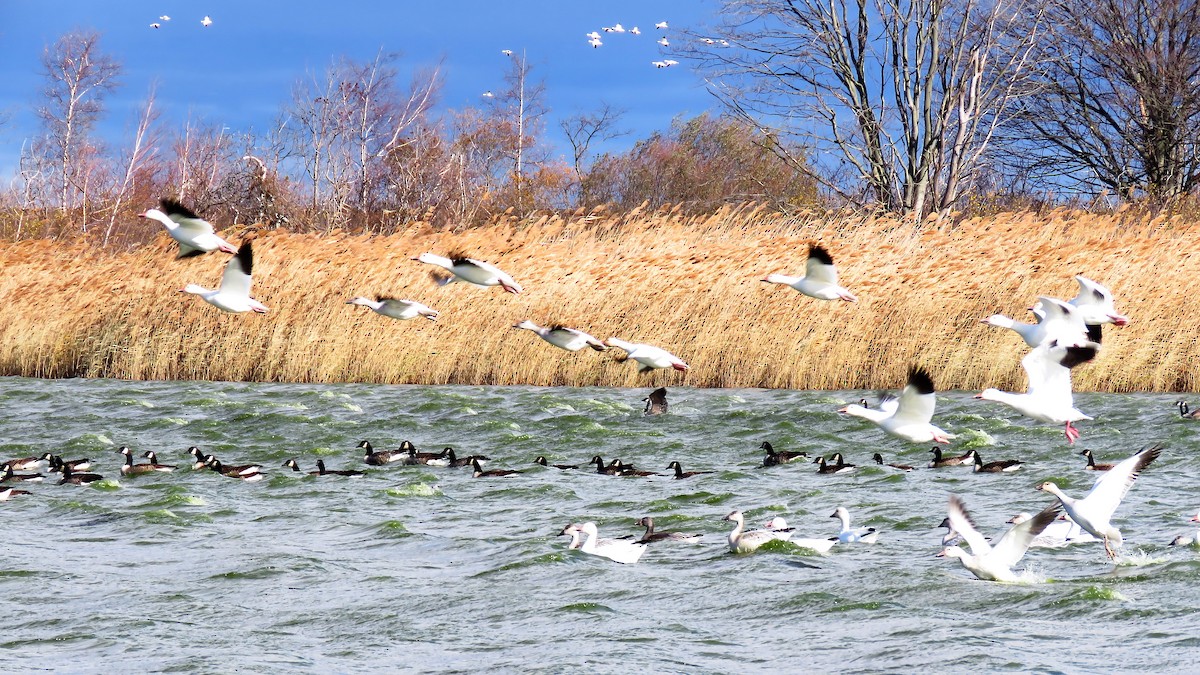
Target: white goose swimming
234	293
910	419
396	309
649	356
849	535
470	271
988	562
779	525
194	234
562	337
1049	398
1095	303
820	278
1094	512
618	550
741	541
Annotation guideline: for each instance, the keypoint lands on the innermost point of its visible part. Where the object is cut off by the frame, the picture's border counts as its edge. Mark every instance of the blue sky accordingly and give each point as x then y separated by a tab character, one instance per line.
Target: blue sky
239	71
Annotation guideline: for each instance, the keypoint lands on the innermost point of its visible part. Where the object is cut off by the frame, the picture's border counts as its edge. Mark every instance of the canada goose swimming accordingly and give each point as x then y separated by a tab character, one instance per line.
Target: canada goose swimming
247	472
8	493
609	470
656	402
428	458
153	457
775	457
199	459
322	471
480	473
1002	466
681	474
295	467
542	461
381	457
131	469
1185	412
56	462
903	467
463	461
1092	465
833	465
8	475
28	463
939	461
628	469
69	476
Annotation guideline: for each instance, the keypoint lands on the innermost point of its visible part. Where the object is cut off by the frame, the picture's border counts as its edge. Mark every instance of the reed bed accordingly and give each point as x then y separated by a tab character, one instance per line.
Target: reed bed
690	284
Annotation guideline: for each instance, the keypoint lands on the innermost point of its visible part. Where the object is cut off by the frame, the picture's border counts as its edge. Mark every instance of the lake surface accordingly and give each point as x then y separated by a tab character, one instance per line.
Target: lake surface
428	569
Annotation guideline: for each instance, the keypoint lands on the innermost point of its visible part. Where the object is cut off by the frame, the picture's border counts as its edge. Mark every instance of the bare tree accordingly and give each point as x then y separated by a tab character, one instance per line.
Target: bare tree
78	76
522	105
1117	104
143	151
901	97
585	128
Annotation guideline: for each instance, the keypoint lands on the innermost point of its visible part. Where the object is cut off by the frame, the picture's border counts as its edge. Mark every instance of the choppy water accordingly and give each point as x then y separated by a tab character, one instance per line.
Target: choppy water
430	570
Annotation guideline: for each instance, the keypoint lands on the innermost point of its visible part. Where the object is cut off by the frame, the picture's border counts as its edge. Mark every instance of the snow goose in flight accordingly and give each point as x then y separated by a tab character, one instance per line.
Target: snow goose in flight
1032	333
820	278
595	43
164	17
648	356
1062	532
470	271
1064	324
615	28
664	42
661	25
396	309
1094	512
506	52
849	535
617	550
194	234
562	337
1049	398
206	21
778	524
155	25
234	292
988	562
1095	303
910	419
593	35
741	541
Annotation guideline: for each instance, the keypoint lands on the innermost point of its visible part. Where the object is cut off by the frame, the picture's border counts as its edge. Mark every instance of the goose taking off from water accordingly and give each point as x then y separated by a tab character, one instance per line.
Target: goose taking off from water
1049	398
648	356
396	309
1095	303
194	234
910	419
988	562
234	293
656	402
820	278
562	337
1094	512
471	271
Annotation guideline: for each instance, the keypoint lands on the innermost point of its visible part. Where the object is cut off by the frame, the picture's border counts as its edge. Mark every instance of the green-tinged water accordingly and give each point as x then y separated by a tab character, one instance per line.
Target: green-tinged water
428	569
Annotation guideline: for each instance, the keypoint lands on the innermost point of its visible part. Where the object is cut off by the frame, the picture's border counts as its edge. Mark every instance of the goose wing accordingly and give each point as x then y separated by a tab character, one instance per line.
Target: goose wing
1111	488
1013	544
1048	368
820	266
917	400
960	522
236	279
190	224
1063	323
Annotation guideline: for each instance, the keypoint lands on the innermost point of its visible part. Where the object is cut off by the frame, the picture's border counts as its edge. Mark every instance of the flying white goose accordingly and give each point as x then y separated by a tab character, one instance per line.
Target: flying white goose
1049	398
506	52
661	25
593	35
988	562
649	356
1095	303
744	542
910	418
848	535
1064	324
779	525
471	271
206	22
1032	333
595	43
619	550
1094	512
234	293
194	234
396	309
664	42
820	278
562	337
615	28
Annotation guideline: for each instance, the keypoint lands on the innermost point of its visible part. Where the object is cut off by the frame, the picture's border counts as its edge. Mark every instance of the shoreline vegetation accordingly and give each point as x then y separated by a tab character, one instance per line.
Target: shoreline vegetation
688	283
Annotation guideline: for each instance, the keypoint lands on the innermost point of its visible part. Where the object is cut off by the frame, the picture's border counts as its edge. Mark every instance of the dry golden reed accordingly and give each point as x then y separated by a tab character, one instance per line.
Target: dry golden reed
689	284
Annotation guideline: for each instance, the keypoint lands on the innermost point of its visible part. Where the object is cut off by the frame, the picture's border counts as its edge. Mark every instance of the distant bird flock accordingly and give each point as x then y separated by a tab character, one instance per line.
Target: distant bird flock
1065	334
